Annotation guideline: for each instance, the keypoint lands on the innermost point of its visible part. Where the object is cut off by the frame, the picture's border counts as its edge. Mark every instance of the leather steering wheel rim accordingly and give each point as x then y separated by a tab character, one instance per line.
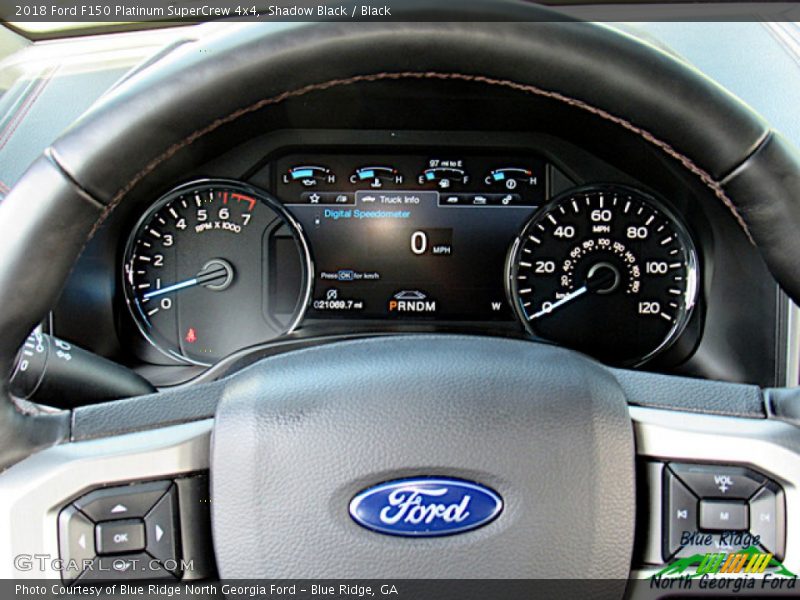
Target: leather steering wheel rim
86	173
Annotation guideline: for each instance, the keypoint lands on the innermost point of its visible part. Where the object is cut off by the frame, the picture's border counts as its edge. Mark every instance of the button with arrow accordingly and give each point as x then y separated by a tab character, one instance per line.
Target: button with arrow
161	528
125	567
76	537
122	502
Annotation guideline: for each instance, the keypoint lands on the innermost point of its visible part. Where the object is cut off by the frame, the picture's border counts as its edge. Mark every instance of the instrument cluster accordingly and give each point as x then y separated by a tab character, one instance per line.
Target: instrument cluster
416	237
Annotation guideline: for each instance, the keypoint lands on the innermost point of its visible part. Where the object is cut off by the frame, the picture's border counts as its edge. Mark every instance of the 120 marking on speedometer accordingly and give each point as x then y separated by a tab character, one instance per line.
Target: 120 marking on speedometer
607	270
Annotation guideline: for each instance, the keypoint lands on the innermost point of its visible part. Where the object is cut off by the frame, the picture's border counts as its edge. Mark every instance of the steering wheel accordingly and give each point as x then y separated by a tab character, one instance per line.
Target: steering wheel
296	436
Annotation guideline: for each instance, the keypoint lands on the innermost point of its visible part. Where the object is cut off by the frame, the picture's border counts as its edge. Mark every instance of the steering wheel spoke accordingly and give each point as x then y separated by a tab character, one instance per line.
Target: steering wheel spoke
305	446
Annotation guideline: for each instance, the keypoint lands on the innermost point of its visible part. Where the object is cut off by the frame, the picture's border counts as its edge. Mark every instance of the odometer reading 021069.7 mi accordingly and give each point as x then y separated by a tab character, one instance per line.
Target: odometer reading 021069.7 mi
606	270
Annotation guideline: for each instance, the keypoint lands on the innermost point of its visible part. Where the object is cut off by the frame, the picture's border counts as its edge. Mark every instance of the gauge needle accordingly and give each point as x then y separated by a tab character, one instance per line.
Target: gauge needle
199	279
602	278
566	299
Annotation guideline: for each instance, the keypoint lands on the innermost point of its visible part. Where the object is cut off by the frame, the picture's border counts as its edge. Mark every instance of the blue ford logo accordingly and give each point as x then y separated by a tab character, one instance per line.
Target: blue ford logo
425	506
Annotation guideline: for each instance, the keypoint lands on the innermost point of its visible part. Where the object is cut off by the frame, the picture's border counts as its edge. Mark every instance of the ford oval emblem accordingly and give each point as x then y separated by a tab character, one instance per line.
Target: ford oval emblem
425	506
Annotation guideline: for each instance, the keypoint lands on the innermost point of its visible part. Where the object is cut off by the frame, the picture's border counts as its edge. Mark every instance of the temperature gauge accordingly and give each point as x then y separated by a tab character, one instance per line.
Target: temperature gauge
309	175
511	177
377	176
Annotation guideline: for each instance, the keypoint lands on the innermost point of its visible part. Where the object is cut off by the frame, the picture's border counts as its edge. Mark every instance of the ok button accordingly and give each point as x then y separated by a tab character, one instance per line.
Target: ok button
114	537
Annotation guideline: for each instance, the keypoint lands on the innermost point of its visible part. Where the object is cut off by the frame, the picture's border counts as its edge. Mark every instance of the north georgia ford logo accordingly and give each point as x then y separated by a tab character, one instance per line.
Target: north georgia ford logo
425	506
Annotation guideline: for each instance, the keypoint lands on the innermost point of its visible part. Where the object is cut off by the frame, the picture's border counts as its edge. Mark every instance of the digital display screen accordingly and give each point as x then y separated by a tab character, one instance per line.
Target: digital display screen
411	237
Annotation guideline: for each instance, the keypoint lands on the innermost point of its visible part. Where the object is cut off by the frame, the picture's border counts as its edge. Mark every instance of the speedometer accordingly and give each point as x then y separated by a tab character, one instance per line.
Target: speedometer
607	270
215	266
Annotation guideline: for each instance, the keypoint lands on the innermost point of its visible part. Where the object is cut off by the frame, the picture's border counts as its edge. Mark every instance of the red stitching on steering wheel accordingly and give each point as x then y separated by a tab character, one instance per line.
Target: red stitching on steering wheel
690	165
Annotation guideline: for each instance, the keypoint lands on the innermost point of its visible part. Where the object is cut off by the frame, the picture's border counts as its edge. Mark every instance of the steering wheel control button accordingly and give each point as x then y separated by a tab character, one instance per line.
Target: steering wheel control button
737	508
712	481
767	519
138	531
125	567
681	513
162	529
123	502
76	541
115	537
723	516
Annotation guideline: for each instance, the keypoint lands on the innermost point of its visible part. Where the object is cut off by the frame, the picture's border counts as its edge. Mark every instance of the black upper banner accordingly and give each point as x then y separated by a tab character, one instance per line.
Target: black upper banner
196	11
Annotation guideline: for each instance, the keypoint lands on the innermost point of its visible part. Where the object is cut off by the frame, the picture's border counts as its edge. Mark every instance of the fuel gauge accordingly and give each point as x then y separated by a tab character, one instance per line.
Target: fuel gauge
443	176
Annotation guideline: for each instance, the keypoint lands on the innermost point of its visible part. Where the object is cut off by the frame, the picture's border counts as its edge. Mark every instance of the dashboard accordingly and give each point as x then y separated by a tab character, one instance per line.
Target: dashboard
730	324
732	327
303	236
217	265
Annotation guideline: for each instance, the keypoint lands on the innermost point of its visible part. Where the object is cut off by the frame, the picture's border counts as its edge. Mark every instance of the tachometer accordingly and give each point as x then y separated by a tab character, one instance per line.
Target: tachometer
607	270
215	266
